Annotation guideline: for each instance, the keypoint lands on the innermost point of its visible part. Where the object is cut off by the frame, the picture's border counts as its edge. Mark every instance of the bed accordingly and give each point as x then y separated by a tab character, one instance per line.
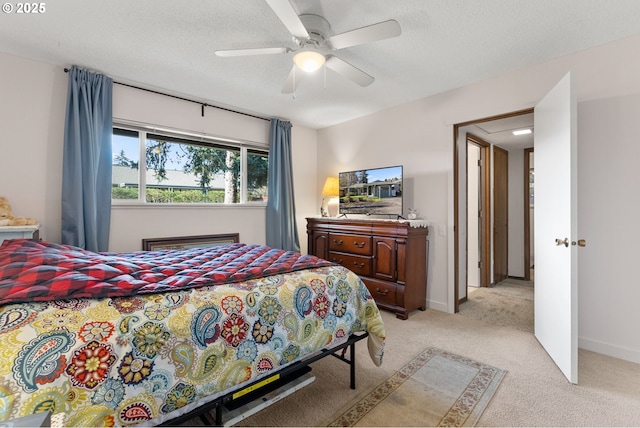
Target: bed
140	338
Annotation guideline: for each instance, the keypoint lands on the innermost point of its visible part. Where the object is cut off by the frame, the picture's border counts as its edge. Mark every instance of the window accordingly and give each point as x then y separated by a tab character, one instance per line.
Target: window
257	169
182	170
126	161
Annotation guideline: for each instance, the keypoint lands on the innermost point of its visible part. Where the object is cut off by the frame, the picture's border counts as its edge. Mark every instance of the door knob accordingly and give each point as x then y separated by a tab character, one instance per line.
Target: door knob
580	243
565	242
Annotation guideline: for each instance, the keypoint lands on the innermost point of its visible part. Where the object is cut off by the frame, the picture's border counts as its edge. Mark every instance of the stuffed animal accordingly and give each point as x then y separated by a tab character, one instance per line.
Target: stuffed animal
7	218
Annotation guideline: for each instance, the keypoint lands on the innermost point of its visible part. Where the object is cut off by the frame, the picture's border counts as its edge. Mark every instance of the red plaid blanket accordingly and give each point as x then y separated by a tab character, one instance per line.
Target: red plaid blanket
40	271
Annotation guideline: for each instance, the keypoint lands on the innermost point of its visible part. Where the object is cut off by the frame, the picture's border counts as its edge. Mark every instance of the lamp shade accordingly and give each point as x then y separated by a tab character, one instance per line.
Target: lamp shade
308	60
331	187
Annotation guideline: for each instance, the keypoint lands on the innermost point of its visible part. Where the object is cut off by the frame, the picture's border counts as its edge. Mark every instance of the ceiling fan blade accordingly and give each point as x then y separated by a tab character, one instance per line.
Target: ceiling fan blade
292	82
256	51
287	14
349	71
371	33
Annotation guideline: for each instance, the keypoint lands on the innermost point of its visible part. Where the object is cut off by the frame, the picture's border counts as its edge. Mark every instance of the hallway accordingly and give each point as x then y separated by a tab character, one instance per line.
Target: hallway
509	303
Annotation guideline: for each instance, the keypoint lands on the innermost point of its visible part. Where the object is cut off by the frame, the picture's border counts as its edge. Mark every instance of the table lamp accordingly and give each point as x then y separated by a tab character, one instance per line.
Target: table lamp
331	190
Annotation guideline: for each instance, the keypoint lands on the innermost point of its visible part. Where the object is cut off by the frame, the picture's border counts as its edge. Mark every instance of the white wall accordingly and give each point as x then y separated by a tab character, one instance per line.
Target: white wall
608	218
419	135
305	183
32	107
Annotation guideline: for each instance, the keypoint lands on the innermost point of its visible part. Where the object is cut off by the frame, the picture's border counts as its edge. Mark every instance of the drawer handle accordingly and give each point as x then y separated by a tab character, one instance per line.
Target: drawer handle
339	261
337	242
358	265
382	292
360	245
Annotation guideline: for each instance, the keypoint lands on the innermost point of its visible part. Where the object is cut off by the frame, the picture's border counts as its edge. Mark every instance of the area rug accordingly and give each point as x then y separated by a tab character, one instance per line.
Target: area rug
436	388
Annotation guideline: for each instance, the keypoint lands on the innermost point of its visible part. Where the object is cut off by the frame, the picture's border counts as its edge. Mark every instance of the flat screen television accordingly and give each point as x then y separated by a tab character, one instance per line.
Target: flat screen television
375	191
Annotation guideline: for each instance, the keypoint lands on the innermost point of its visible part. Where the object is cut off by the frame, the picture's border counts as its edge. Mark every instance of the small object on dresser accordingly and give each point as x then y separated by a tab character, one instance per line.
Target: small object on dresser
413	214
8	219
331	190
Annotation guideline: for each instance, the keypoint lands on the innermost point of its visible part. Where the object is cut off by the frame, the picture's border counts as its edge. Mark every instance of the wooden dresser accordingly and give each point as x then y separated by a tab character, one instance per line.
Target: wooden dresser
389	256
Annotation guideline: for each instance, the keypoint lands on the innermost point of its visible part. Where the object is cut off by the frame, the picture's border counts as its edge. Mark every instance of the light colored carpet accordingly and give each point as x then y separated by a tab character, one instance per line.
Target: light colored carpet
508	303
436	388
532	393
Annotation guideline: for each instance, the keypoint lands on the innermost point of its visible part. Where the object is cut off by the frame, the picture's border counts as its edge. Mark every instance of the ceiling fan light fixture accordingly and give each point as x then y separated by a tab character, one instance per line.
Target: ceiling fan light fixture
309	60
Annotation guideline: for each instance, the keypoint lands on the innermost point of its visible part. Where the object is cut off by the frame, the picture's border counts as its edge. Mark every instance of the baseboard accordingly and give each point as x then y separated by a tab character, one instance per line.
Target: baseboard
438	306
516	277
609	349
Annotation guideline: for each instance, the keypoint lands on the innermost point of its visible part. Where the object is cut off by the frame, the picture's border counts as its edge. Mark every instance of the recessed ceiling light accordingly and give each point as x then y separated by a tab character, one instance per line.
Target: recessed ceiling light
522	131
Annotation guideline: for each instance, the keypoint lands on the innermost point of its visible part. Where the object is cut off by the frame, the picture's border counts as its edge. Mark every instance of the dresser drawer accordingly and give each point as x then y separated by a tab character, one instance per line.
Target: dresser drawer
354	244
357	264
382	292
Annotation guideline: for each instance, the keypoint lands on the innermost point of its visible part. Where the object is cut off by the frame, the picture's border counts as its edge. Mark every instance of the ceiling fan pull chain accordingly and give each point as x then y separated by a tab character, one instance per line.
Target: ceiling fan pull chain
324	69
294	83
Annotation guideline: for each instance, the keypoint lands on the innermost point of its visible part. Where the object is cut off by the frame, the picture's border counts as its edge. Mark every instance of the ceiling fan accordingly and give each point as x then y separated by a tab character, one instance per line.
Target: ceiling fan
312	35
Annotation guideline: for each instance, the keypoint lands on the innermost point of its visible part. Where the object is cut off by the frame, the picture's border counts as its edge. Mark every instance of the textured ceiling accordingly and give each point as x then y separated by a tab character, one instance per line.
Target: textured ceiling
169	45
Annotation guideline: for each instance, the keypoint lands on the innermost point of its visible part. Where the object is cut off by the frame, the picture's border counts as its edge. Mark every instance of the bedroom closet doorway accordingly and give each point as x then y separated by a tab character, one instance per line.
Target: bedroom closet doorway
492	230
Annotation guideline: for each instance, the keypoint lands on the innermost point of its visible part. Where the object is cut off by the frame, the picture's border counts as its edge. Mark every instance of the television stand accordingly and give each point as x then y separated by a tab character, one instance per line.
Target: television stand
389	256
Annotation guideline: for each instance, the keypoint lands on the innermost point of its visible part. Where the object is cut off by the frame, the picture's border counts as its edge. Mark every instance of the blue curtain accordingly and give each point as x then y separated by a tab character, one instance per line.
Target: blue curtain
86	173
282	231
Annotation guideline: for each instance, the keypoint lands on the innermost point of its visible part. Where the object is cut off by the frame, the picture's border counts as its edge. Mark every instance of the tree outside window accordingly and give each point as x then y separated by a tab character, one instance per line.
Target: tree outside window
178	170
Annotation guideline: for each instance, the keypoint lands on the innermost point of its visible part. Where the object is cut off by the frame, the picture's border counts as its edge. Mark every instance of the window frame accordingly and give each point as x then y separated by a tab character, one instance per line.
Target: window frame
187	137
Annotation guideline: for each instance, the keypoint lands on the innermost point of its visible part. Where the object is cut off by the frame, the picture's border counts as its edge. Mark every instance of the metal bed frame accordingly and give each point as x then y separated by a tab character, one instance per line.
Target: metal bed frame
265	384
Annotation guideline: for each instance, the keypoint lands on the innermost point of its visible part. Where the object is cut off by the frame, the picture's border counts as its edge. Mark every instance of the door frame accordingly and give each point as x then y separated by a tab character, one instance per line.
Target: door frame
500	200
485	192
456	193
527	217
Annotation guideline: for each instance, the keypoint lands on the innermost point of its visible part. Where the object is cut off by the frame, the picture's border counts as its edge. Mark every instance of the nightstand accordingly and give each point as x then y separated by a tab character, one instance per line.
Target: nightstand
13	232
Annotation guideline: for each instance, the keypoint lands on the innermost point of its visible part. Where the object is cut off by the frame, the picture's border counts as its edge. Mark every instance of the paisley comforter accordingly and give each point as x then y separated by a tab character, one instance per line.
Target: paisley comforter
170	342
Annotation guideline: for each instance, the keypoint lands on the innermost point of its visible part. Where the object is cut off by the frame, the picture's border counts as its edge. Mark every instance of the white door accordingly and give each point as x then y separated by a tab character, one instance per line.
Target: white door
556	285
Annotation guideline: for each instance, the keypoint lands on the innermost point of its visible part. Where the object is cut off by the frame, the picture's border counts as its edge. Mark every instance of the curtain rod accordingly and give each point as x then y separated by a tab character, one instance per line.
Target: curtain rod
203	105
